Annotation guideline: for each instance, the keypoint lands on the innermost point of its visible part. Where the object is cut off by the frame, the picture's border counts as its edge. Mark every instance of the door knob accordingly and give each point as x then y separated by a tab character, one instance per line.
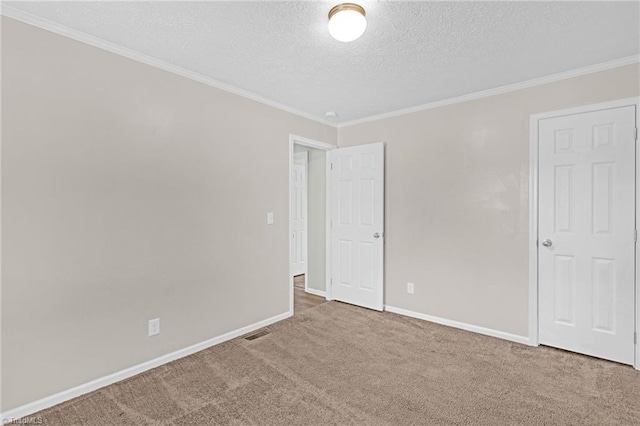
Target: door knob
547	243
376	235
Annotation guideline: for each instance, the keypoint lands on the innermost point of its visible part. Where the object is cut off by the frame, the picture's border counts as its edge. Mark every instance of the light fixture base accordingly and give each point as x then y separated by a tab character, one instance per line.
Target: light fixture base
347	6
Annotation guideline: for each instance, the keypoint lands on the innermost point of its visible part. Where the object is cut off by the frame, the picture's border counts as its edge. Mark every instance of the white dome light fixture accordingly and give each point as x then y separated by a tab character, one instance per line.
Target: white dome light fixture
347	22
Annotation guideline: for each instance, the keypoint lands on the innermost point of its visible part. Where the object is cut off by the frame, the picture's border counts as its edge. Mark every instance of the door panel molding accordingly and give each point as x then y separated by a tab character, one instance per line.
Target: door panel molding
534	203
357	242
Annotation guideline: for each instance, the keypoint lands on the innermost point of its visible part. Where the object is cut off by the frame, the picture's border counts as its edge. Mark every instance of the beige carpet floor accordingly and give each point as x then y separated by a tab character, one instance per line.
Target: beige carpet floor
336	364
298	281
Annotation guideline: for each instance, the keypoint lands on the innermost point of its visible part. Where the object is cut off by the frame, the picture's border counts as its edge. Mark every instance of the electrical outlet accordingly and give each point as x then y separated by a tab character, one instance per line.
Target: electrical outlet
410	288
154	327
269	218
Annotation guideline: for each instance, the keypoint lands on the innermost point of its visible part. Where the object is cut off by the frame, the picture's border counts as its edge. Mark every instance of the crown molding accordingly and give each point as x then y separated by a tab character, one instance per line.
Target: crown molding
80	36
28	18
629	60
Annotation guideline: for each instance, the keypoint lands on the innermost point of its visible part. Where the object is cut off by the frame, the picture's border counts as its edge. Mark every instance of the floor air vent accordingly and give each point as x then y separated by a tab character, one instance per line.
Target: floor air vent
257	335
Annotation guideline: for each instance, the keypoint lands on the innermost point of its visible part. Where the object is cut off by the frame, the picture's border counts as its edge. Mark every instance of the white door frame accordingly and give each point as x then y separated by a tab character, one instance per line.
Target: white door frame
533	212
299	140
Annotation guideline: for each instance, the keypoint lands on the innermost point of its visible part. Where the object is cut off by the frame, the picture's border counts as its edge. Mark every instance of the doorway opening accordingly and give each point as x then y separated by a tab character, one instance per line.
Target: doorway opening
309	222
341	246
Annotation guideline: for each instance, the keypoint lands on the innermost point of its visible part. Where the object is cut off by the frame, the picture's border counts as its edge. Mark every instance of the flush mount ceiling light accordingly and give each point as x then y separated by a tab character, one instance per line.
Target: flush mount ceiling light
347	22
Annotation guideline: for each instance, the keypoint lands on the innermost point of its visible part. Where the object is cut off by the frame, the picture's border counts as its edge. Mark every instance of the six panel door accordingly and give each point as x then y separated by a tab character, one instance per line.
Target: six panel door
586	232
357	185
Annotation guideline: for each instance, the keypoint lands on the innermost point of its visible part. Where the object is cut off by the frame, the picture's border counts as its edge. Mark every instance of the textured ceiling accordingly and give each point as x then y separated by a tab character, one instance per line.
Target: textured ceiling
411	54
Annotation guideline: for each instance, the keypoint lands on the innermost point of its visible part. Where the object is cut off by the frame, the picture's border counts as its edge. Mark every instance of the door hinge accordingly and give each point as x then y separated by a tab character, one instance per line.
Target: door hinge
331	166
635	235
636	133
635	338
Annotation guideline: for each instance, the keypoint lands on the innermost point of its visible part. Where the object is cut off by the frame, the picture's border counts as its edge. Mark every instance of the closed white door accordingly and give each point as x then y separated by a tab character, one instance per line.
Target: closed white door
299	215
357	225
586	233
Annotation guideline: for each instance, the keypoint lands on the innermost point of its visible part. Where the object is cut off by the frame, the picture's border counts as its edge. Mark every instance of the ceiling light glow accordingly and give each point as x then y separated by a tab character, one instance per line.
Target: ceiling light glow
347	22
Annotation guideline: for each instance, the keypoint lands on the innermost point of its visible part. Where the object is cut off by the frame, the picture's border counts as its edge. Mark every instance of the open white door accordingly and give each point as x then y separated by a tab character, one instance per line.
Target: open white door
357	225
299	214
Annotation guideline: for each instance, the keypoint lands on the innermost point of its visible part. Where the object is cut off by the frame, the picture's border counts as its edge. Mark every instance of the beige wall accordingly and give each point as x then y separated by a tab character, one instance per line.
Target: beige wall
457	198
317	217
129	193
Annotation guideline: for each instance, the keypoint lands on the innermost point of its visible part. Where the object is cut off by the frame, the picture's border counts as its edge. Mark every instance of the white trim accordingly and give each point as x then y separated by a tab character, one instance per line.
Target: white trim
306	195
328	225
93	385
587	108
461	325
290	180
533	211
533	232
316	292
637	277
80	36
0	240
616	63
299	140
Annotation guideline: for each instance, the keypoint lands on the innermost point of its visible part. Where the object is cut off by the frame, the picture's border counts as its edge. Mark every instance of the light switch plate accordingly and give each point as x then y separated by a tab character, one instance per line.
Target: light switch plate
269	218
154	327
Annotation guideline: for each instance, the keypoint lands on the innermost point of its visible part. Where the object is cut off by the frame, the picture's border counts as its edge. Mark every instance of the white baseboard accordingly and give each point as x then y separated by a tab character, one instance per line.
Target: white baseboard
451	323
93	385
316	292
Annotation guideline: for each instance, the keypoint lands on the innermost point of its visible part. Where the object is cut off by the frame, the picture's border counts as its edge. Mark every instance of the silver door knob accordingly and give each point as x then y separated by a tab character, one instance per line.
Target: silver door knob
547	243
376	235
